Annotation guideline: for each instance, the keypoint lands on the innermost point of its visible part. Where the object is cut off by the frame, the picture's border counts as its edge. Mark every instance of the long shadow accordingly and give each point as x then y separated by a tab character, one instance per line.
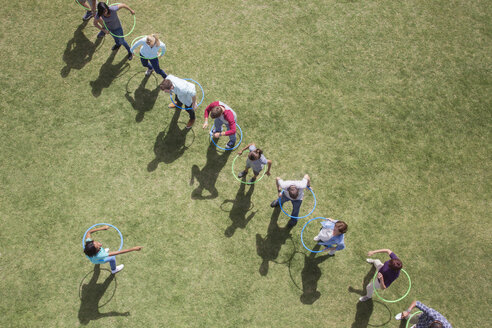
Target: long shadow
310	276
269	247
143	99
79	51
108	73
91	295
169	145
207	176
240	206
364	309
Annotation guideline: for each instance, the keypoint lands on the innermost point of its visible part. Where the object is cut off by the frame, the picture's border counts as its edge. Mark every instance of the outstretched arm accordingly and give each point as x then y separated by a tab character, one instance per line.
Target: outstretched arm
384	250
136	248
308	180
122	5
88	234
410	308
241	151
269	163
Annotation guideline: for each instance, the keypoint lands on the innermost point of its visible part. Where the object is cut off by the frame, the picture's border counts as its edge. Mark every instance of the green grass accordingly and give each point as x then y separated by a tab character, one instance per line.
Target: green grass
386	104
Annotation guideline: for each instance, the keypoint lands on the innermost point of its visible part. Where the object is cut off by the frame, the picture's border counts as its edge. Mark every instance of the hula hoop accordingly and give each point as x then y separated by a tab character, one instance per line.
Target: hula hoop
139	55
97	224
245	182
392	301
203	96
302	232
127	34
410	318
212	138
85	7
299	217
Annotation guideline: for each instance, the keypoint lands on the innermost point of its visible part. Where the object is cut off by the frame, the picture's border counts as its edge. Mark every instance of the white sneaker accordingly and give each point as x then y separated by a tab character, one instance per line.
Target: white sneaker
332	252
370	261
149	71
364	298
107	250
118	269
398	316
317	238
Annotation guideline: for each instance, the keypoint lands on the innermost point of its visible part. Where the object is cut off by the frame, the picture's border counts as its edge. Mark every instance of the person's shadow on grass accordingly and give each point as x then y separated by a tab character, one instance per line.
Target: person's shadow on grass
269	247
169	145
364	309
91	295
207	176
310	276
79	51
143	99
240	207
108	73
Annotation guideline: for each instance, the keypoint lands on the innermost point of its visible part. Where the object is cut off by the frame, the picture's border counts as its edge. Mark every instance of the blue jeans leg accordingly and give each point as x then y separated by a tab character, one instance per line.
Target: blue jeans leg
112	262
157	69
120	41
218	125
145	63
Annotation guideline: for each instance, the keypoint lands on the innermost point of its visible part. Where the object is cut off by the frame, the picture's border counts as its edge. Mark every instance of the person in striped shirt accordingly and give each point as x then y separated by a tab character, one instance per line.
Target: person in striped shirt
429	318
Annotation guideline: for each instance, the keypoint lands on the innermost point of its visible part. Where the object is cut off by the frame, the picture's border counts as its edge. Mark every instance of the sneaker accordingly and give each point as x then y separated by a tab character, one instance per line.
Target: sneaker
130	56
87	16
115	47
107	250
274	203
332	252
171	105
230	144
149	71
190	124
317	238
364	298
118	269
398	316
242	174
253	179
101	34
371	261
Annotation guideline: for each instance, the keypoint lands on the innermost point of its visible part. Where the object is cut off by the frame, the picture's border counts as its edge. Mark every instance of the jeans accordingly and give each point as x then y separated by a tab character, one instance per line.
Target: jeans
120	41
111	260
154	64
218	128
191	112
296	206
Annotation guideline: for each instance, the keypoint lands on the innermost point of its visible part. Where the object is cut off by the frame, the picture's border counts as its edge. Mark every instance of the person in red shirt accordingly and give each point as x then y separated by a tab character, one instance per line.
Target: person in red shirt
223	115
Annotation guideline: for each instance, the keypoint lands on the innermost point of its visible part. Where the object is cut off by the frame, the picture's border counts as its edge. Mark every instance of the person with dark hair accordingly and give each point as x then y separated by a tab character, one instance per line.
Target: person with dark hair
292	191
222	115
429	318
98	255
332	235
184	94
256	160
107	17
387	272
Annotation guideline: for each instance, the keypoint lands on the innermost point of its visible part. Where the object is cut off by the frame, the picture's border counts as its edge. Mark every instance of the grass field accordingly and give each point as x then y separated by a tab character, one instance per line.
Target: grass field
385	104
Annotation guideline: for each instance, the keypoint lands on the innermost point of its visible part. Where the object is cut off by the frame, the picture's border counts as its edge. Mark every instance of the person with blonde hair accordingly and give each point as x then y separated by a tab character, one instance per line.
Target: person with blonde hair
149	51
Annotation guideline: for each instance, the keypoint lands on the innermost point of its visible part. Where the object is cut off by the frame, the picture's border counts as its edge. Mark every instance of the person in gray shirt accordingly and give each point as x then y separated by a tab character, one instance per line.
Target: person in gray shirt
292	191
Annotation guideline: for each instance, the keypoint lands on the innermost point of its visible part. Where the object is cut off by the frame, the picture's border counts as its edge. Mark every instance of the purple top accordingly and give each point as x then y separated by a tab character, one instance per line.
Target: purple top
388	274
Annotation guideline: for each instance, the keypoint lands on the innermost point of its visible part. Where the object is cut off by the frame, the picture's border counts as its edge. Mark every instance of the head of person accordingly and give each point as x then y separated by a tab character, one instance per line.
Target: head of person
216	111
255	154
436	324
293	192
152	40
395	264
91	248
166	86
341	226
102	9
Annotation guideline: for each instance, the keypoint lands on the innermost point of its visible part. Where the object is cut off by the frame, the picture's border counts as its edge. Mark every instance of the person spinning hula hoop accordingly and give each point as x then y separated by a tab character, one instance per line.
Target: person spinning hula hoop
222	115
256	160
332	235
107	16
292	191
150	52
185	94
429	318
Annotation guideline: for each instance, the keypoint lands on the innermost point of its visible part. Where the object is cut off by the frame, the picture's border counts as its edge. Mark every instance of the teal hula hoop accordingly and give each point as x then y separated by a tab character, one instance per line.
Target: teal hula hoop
410	317
397	300
302	232
97	224
203	96
127	34
139	55
245	182
298	217
240	140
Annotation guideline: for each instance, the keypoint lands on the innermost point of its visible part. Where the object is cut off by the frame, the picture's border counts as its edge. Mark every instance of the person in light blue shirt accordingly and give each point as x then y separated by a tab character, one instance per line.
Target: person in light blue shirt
98	255
332	235
149	51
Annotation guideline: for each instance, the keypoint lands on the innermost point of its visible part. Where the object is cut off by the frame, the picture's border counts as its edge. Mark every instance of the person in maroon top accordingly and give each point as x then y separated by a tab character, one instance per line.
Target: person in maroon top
223	115
387	272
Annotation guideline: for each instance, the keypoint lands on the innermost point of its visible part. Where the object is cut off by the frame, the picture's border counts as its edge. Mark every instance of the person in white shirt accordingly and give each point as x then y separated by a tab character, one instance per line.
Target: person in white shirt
149	51
185	94
292	191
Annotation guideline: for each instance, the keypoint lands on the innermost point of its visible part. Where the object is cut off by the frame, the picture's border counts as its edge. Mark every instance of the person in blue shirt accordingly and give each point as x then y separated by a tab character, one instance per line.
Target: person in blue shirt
429	318
97	254
332	235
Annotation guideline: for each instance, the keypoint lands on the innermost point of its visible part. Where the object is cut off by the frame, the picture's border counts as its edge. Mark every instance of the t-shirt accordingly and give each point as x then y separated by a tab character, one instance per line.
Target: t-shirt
100	256
256	165
112	22
389	275
327	238
300	185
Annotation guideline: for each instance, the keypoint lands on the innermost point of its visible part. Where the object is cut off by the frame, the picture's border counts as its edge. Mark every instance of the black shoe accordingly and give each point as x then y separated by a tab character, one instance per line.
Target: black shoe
130	56
115	47
274	203
230	144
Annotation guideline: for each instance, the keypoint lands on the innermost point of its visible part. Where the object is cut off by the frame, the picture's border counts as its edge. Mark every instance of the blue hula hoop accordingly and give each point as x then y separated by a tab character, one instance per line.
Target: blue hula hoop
203	96
237	145
302	232
298	217
97	224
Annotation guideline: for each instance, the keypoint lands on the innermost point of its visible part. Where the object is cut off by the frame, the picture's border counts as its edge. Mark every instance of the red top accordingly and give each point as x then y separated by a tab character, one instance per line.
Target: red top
227	114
